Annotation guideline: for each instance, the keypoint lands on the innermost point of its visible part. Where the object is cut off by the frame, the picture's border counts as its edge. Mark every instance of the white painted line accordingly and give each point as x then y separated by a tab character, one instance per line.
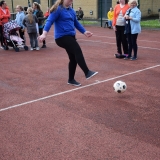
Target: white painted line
115	43
79	88
115	38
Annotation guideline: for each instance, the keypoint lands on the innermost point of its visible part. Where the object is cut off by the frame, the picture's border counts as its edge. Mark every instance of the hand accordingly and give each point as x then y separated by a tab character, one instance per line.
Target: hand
42	38
130	18
114	28
88	34
126	16
23	30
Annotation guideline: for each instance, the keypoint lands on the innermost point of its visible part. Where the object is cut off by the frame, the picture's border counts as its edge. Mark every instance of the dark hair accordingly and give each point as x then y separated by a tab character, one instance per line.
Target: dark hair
80	8
25	9
1	3
37	5
126	1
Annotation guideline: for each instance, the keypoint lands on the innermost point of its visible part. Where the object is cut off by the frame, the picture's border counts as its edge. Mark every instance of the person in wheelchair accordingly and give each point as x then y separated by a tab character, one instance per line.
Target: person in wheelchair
79	13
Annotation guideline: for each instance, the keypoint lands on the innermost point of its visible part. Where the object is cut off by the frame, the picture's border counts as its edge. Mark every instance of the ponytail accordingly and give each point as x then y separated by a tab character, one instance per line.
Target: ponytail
30	15
56	4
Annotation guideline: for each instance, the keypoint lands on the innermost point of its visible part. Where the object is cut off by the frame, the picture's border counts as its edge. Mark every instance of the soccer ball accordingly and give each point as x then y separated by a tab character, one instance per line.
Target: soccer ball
120	86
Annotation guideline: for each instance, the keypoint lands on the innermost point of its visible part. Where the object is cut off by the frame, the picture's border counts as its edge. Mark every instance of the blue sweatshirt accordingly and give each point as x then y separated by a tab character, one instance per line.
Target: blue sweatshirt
19	19
65	22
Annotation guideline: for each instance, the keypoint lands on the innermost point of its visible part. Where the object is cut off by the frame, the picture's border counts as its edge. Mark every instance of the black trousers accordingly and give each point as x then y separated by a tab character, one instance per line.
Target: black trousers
21	33
40	32
132	43
1	35
121	38
75	54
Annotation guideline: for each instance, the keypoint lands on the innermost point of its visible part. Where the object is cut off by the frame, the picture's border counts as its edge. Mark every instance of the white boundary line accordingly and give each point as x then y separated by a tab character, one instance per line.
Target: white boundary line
115	38
68	91
112	44
94	35
115	43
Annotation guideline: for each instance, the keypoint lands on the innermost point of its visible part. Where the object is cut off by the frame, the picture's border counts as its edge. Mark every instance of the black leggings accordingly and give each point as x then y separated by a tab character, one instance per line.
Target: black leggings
132	42
121	39
75	54
40	32
21	33
1	35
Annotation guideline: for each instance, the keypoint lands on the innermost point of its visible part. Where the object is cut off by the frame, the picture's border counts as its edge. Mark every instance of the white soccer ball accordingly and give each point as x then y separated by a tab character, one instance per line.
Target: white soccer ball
120	86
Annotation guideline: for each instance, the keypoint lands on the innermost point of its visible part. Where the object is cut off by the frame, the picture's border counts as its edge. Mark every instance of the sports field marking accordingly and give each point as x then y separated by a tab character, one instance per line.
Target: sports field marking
115	43
115	38
110	43
79	88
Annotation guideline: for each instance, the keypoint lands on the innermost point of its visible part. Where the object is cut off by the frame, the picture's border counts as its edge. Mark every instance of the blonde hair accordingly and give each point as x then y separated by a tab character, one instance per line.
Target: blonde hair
20	7
30	14
131	1
56	4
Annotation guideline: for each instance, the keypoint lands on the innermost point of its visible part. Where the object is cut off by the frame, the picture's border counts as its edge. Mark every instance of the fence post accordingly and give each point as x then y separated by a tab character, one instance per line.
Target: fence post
101	12
12	7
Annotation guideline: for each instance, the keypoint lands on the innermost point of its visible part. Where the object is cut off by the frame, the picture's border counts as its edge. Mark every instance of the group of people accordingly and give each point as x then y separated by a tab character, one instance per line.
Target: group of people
32	20
125	20
126	24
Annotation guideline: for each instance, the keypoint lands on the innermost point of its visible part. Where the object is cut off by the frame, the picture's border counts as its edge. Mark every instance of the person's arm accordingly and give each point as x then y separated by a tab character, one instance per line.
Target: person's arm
21	20
81	14
24	22
114	16
137	18
36	19
51	19
109	16
1	16
40	17
80	28
7	15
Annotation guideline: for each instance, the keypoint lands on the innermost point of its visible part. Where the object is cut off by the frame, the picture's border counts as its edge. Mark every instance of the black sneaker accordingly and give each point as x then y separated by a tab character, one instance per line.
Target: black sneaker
133	59
126	58
91	74
44	46
74	83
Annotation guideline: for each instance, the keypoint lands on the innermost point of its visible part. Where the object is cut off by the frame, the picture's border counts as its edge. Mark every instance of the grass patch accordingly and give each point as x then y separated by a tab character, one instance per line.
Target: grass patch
151	23
144	24
88	22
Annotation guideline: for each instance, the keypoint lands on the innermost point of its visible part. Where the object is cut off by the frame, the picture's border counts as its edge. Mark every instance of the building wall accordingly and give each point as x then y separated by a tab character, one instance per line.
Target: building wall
24	3
149	7
87	6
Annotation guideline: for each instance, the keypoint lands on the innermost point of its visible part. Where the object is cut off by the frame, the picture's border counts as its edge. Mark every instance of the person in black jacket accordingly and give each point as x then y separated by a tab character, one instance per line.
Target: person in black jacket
80	13
39	14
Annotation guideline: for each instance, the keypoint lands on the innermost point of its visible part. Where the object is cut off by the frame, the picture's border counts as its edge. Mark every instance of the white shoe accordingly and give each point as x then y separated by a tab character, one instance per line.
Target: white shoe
31	49
37	48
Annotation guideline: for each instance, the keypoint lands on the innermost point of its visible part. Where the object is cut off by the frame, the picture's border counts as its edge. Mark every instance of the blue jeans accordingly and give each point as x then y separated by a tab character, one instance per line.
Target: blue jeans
109	23
33	40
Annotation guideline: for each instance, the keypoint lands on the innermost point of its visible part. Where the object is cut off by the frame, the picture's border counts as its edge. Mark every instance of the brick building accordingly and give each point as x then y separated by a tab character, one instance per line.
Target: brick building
148	7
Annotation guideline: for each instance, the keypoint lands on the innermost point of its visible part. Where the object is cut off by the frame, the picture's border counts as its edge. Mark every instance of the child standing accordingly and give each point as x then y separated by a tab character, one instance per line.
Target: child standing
110	17
30	23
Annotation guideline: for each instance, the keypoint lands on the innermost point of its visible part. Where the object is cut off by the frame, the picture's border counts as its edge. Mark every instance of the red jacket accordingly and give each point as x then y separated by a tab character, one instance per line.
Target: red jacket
4	17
